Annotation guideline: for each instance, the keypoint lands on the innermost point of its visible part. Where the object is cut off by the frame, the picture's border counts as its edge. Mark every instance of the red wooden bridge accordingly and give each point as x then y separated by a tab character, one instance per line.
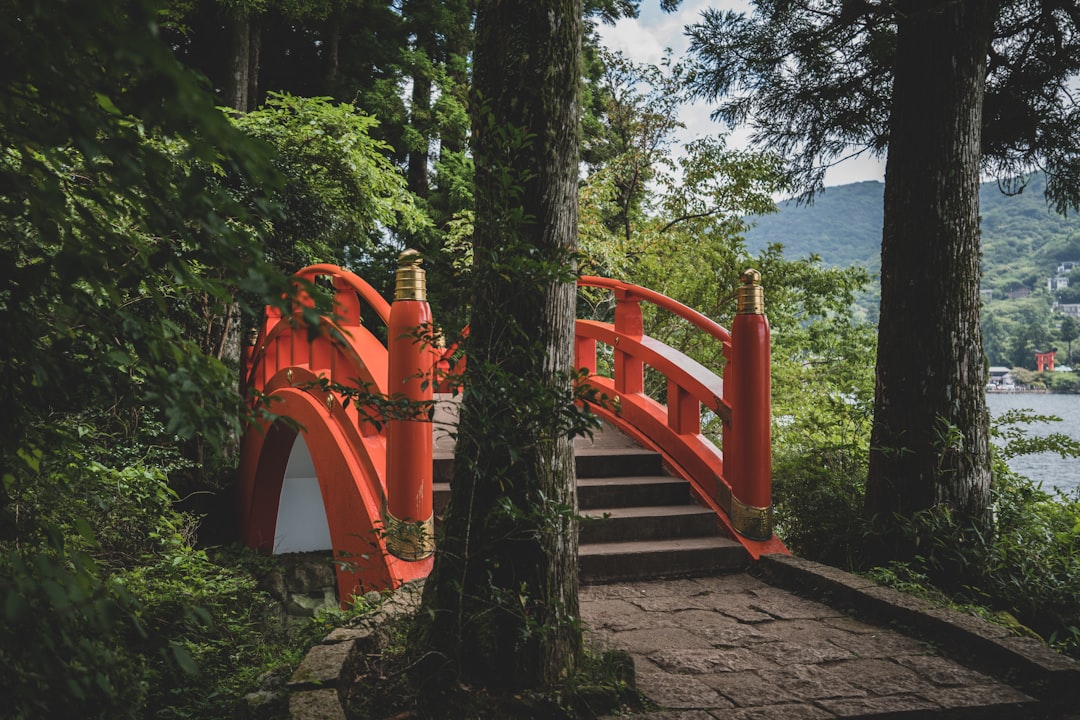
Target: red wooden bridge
332	466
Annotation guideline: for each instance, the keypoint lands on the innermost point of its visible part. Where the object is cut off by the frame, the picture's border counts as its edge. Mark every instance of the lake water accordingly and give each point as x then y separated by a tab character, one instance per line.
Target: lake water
1050	468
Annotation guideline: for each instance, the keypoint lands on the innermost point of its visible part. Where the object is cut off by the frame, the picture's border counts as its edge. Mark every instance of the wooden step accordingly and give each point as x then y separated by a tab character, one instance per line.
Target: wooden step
637	521
655	559
610	492
588	463
653	522
607	492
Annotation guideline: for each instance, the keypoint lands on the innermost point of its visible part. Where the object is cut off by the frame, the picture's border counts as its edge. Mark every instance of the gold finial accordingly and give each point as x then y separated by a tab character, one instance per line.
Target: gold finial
410	282
751	296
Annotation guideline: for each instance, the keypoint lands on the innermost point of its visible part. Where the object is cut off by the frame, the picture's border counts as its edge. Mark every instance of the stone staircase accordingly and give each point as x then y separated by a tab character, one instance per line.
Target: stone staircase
638	522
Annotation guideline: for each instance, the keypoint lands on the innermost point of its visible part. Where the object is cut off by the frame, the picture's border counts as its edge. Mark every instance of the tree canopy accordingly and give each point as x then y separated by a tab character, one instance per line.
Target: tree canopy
948	91
815	81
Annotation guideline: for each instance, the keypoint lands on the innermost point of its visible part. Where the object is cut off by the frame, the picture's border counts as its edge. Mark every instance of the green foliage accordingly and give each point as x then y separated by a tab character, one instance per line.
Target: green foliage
341	192
1025	575
114	215
822	409
61	637
110	611
126	250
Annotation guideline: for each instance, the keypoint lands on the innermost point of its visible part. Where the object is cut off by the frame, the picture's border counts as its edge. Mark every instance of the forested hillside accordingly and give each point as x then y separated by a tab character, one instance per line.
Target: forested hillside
1024	241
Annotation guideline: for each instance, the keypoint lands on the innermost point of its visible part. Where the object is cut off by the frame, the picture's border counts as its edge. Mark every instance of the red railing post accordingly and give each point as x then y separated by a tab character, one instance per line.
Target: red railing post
629	375
748	460
409	522
346	303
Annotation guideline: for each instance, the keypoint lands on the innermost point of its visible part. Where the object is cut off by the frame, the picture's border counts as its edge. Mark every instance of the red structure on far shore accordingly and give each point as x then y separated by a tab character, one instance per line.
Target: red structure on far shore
1045	360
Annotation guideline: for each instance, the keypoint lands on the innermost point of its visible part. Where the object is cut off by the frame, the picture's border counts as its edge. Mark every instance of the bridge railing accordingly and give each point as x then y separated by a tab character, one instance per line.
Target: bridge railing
357	358
338	355
735	480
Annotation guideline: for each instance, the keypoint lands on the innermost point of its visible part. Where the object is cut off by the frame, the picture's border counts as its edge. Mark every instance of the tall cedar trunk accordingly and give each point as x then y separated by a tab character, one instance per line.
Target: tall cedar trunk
504	587
420	120
238	78
333	48
929	445
254	61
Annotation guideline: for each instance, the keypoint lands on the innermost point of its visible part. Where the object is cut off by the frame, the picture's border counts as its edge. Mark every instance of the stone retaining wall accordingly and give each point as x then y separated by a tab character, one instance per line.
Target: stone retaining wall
314	689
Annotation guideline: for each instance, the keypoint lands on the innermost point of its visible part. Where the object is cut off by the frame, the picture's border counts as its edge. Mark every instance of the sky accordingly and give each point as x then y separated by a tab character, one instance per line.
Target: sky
645	39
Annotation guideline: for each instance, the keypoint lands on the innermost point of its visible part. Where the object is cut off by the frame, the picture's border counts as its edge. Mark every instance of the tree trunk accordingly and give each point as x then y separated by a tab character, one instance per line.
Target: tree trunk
333	49
420	120
238	78
504	587
254	60
929	445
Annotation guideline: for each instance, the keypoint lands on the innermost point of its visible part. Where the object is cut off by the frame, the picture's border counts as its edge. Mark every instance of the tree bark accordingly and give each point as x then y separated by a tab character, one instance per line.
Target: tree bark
238	78
254	60
420	119
929	444
504	588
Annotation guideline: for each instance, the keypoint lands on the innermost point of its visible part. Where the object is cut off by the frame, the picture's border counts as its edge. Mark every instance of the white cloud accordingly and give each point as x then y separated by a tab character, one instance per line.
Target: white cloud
645	40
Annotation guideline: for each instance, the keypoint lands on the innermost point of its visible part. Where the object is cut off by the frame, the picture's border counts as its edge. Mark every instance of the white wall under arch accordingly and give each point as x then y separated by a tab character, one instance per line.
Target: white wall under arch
301	517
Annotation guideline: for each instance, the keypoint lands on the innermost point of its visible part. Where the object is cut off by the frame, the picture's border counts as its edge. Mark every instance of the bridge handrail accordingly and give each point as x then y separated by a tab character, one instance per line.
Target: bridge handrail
367	293
737	480
663	302
345	282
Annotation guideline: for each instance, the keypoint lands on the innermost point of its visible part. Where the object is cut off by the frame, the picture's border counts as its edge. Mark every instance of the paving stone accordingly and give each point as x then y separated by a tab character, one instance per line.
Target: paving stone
315	705
805	652
728	633
786	606
649	640
697	662
787	711
972	696
743	611
813	682
671	604
695	618
592	593
677	692
615	614
741	649
880	645
852	625
876	705
800	630
878	677
942	671
750	689
733	583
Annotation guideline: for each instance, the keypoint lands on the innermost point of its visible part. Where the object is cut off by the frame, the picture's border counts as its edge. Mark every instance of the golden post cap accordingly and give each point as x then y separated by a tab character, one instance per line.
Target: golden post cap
751	296
410	281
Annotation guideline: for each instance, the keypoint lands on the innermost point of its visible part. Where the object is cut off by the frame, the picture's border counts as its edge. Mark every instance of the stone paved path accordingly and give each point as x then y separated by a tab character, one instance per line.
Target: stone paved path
733	647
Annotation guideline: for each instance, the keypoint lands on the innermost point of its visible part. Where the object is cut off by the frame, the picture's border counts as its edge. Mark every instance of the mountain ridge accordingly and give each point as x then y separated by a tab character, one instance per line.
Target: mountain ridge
1023	239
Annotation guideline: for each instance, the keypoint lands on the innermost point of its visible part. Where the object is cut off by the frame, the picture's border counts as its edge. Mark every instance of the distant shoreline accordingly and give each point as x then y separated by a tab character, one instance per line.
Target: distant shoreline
1019	391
